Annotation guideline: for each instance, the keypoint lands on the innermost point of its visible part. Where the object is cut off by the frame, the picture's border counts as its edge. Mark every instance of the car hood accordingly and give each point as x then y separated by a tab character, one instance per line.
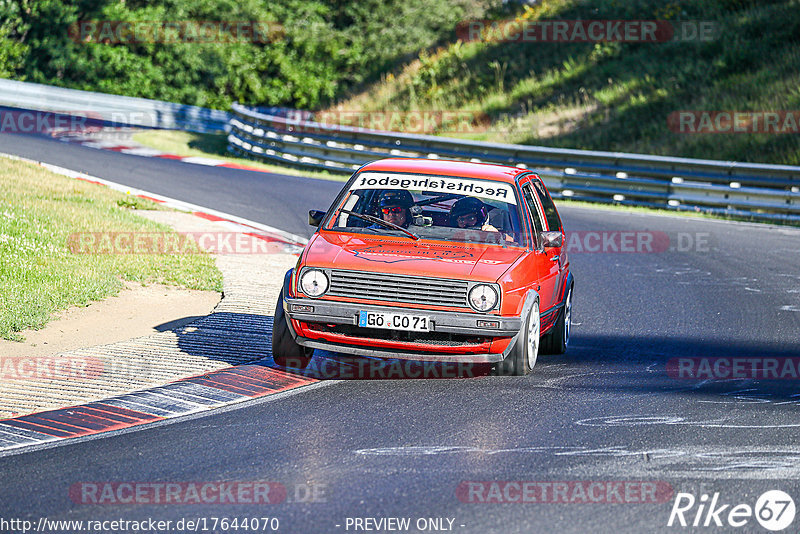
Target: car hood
437	259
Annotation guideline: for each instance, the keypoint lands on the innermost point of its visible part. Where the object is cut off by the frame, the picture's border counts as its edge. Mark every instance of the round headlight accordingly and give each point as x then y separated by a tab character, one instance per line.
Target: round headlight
314	283
482	297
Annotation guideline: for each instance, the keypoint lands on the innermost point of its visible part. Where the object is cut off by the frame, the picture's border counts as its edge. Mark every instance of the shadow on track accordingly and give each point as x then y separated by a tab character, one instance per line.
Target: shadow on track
717	372
593	364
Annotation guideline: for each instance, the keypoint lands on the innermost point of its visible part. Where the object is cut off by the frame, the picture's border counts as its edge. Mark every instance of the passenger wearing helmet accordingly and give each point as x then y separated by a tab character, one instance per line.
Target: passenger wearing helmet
395	208
469	213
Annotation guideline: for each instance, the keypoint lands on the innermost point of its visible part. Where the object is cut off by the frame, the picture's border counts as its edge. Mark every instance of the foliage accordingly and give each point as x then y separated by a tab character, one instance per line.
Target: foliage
324	47
617	95
401	55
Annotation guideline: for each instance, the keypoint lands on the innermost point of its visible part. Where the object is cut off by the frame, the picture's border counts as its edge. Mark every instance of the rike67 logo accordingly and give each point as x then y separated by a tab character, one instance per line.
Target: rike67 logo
774	510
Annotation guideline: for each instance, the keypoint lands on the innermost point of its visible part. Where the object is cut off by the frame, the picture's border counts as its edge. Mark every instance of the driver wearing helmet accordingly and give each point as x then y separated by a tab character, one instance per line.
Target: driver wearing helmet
395	207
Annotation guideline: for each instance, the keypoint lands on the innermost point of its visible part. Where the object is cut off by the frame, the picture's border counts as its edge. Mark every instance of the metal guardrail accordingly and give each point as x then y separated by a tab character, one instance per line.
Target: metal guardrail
112	109
760	191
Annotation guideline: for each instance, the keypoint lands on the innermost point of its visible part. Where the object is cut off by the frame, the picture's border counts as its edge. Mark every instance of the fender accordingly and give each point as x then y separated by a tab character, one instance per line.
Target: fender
562	291
287	290
555	311
287	283
531	298
568	282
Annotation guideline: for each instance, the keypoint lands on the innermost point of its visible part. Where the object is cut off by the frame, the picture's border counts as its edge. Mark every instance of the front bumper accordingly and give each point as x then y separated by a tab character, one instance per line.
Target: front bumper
346	313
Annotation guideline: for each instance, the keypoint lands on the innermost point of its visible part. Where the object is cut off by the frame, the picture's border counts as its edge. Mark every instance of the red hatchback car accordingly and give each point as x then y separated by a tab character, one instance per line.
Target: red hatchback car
431	260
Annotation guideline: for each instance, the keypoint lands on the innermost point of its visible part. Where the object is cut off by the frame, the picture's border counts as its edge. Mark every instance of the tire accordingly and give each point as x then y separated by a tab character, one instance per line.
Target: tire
556	341
285	351
522	358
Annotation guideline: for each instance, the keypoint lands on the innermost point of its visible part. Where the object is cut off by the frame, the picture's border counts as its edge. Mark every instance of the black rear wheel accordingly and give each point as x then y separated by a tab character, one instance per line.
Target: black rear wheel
556	341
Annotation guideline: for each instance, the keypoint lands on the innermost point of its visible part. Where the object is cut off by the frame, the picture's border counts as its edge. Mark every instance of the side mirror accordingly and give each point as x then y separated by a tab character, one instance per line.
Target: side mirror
552	239
315	217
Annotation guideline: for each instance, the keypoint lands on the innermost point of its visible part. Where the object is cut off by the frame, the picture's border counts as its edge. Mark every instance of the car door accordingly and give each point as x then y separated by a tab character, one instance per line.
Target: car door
547	268
553	221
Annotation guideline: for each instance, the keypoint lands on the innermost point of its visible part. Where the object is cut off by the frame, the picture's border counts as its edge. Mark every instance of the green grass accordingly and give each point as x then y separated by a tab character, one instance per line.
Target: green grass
39	275
615	96
216	146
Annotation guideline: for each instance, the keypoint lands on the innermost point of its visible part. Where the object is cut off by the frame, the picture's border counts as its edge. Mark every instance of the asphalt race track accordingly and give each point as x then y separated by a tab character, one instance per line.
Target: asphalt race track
616	410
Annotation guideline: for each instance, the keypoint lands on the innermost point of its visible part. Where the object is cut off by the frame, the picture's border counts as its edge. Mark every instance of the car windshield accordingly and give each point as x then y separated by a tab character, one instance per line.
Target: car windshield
445	208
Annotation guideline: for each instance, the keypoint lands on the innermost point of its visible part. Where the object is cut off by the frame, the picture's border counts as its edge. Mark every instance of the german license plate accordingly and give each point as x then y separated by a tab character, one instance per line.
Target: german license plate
394	321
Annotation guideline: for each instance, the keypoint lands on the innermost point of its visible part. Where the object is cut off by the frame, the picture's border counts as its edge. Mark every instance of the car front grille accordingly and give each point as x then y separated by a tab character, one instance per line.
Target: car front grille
399	288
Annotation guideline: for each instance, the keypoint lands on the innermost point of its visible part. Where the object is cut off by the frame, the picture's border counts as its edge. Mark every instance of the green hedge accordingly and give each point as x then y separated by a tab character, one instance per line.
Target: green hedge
327	47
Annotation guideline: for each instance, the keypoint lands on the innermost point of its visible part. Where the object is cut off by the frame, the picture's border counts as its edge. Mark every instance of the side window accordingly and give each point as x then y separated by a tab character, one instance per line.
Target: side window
550	212
535	211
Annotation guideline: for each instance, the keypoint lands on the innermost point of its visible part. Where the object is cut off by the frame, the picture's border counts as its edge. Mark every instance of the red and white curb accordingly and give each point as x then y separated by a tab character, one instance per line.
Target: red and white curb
183	397
138	150
290	243
180	398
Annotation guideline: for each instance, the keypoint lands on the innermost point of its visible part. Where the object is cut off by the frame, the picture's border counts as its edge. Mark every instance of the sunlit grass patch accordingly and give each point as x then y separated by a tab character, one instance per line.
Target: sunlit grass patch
39	275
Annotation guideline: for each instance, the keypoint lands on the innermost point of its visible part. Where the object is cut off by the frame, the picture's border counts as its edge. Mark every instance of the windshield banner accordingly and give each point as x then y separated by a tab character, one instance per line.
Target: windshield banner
498	191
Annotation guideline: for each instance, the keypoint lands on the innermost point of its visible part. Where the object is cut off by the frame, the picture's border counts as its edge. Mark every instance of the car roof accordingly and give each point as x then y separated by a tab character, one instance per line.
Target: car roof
464	169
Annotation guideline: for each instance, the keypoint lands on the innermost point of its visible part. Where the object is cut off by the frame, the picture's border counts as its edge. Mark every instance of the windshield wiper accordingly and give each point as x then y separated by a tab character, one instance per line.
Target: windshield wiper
387	224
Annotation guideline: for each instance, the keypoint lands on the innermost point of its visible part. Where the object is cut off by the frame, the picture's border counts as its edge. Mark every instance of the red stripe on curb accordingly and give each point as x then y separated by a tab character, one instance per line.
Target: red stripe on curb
227	385
246	385
243	167
208	216
80	420
116	411
247	380
260	233
41	429
108	415
95	182
252	380
227	165
267	238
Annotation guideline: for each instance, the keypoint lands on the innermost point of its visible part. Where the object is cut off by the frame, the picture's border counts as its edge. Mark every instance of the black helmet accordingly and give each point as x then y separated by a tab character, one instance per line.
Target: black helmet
468	206
392	198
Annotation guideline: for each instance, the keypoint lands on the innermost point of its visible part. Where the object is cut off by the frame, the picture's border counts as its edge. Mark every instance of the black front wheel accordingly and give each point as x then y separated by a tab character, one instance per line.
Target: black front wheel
285	351
523	354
